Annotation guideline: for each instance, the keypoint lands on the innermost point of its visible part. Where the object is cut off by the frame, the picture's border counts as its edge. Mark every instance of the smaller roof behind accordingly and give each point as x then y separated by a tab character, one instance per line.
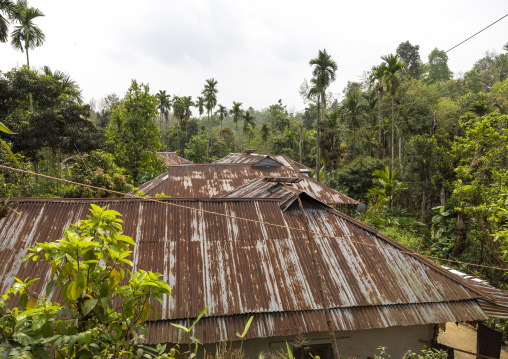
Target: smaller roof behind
261	159
217	179
172	159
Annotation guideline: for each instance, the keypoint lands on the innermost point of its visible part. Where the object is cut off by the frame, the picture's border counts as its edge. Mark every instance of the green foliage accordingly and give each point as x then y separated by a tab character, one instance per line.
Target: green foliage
425	354
97	169
481	185
355	179
411	56
134	136
387	188
90	267
4	145
197	149
15	184
438	70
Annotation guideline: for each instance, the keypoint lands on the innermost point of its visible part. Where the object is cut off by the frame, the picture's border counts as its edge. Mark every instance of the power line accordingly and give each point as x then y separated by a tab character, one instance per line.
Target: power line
411	253
470	37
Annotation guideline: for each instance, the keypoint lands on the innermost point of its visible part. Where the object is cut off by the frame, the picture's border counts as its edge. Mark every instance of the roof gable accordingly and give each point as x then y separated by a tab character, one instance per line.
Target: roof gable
267	162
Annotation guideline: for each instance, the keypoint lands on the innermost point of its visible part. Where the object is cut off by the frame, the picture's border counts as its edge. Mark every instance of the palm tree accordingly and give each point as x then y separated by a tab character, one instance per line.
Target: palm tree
387	188
248	124
26	35
163	104
200	104
377	75
210	97
371	101
187	113
68	88
236	111
222	112
6	12
352	110
324	74
179	113
390	70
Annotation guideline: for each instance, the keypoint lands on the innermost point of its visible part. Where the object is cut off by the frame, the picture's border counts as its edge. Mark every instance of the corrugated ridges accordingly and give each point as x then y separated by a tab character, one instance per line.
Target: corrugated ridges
216	329
240	267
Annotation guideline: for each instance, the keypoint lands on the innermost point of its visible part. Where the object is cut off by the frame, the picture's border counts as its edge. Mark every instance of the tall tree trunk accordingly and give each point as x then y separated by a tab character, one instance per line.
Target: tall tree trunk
51	162
460	234
300	144
236	124
354	136
36	165
393	133
379	144
58	169
400	154
424	199
209	137
318	151
442	195
27	59
320	281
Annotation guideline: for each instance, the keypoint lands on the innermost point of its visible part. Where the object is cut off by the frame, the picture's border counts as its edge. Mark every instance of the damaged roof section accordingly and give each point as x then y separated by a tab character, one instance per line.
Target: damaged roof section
215	179
241	268
172	159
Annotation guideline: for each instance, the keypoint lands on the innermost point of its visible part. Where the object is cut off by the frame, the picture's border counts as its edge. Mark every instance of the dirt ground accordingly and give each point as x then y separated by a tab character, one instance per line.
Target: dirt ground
463	337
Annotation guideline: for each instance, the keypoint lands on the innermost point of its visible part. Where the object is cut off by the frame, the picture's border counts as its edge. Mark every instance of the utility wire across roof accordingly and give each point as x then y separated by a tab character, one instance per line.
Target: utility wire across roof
364	226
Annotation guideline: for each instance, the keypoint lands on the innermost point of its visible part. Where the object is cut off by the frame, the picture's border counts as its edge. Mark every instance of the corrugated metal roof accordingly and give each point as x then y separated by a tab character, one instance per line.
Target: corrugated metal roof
254	158
172	159
215	179
240	267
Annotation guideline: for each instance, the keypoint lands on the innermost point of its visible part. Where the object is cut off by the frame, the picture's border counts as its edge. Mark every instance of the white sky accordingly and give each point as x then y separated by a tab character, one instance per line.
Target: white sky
258	51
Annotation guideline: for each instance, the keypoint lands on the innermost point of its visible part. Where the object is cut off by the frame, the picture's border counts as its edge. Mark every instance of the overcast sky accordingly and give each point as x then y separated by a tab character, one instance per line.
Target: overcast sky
258	51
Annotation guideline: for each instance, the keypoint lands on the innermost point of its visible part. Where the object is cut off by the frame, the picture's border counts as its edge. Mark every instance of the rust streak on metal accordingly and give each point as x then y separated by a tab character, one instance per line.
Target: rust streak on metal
318	271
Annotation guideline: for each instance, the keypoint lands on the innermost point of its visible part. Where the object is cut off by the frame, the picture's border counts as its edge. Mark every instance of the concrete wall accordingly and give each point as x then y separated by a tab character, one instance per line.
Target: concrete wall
361	344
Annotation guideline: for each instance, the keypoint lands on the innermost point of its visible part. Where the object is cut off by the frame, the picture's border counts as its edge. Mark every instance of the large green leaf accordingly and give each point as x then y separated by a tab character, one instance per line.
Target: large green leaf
89	305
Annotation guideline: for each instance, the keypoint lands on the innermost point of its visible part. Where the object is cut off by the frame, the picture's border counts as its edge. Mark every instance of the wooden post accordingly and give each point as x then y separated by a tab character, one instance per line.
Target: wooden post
317	272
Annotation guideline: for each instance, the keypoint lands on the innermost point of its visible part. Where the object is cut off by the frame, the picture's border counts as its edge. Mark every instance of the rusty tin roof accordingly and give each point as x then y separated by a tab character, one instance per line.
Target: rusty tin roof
255	158
172	159
216	179
243	268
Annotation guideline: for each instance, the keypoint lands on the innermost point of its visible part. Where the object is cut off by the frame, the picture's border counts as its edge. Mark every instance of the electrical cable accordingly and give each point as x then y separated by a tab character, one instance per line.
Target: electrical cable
470	37
411	253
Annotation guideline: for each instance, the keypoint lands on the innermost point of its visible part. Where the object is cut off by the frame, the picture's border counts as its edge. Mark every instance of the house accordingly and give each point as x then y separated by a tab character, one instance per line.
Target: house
217	179
249	257
172	159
